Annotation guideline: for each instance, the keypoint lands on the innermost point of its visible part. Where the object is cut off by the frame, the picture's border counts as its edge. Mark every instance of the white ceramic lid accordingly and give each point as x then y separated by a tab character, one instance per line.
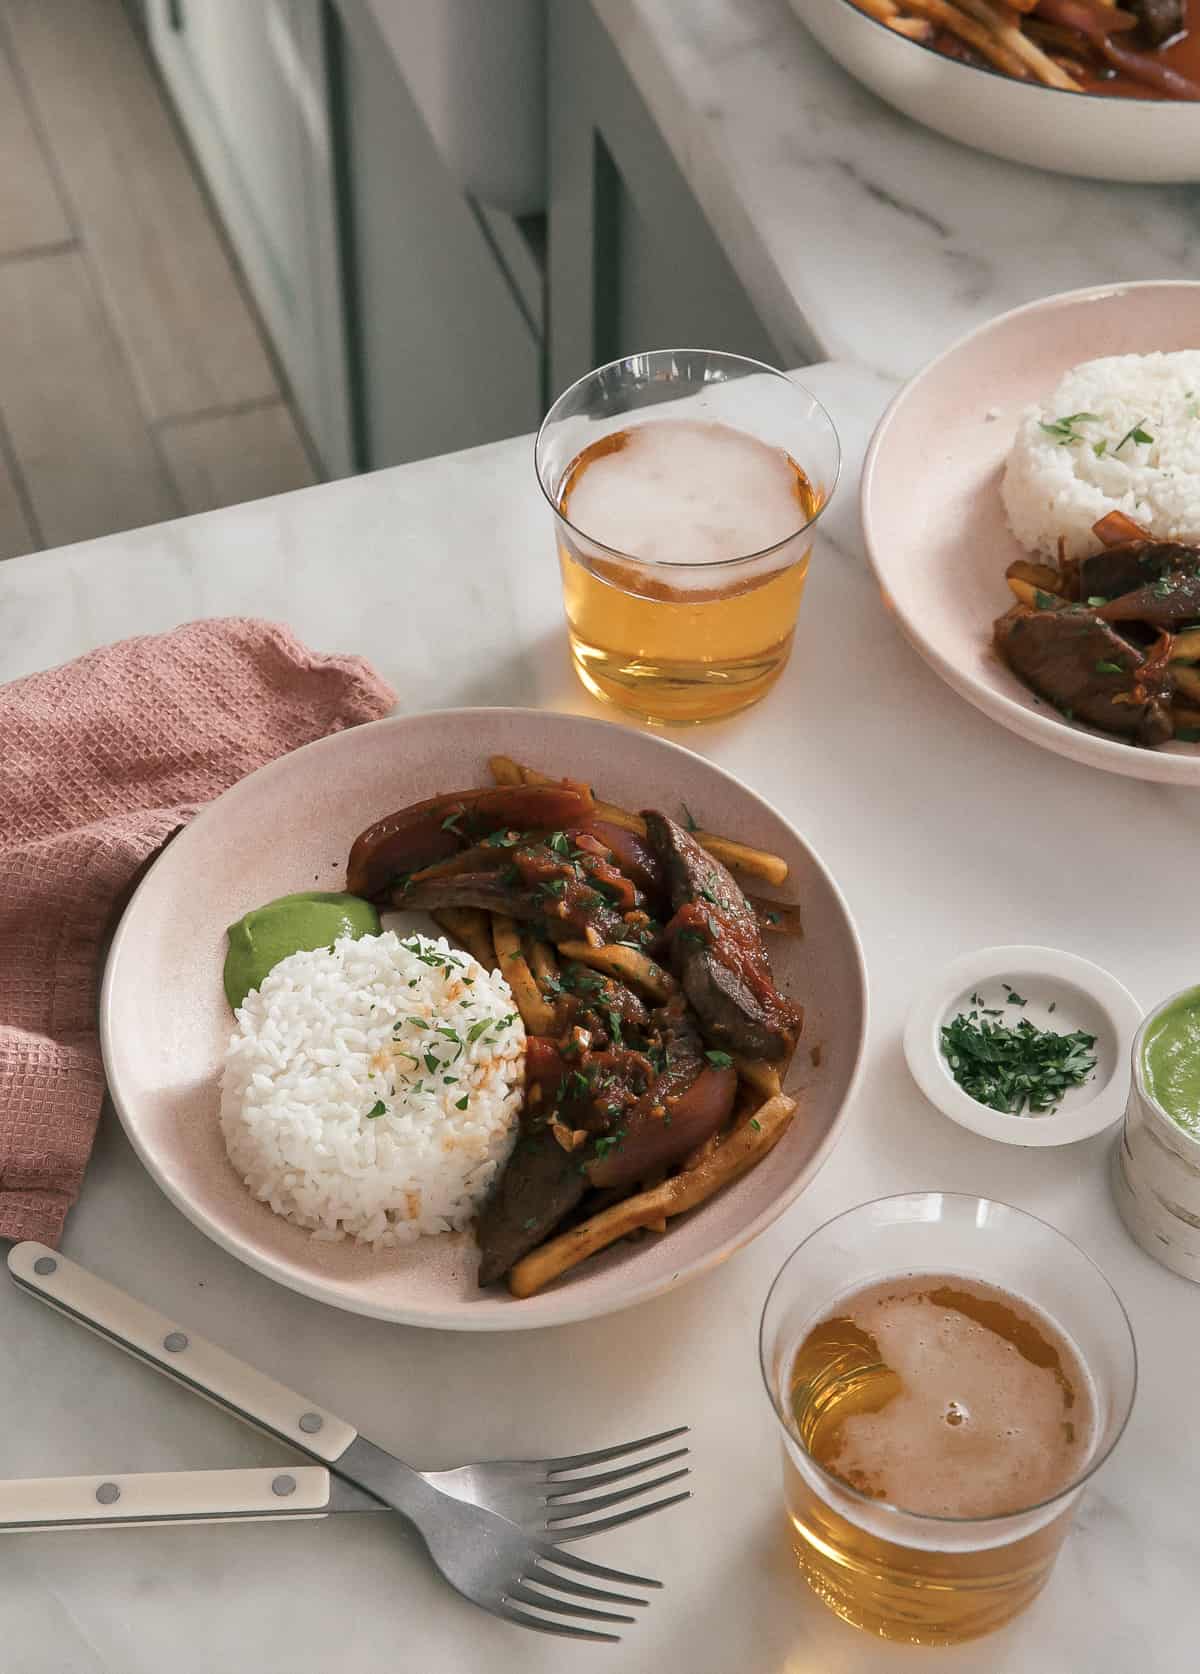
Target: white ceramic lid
1062	992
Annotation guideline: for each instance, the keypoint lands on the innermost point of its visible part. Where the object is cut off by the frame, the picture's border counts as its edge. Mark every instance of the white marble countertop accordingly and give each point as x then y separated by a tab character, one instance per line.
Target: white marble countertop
944	831
851	225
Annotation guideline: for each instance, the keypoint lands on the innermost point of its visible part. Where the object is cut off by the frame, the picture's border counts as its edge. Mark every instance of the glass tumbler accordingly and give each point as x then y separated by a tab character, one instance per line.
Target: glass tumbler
685	486
935	1580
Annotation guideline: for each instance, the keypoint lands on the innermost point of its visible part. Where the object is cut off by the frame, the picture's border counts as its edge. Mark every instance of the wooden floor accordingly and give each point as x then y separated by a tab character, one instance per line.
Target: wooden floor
136	383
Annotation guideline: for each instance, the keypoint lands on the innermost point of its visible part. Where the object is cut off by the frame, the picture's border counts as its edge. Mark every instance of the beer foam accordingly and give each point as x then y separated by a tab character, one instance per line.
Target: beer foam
977	1428
681	491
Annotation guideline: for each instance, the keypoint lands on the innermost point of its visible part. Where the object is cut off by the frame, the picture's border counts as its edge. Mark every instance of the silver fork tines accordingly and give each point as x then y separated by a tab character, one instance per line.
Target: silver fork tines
557	1500
581	1461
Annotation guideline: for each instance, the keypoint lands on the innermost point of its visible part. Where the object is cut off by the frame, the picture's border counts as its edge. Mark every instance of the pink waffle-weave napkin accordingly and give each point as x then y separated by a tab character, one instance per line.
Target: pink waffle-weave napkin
100	762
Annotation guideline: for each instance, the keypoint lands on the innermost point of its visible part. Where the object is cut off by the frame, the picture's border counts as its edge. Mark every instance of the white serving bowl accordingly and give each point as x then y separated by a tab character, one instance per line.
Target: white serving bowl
1143	140
1082	995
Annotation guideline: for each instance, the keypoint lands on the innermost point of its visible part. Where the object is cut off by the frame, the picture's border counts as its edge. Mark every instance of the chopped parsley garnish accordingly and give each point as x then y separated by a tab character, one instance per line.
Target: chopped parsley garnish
719	1060
756	1124
1014	999
503	839
1135	433
558	842
687	817
606	1143
1109	668
1063	429
1188	735
709	896
451	823
377	1109
1097	599
1011	1069
692	936
553	886
508	875
1045	601
476	1029
461	1104
1099	449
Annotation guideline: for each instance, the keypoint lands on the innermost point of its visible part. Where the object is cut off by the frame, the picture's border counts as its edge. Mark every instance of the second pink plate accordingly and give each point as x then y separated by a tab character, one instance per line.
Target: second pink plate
932	516
165	1022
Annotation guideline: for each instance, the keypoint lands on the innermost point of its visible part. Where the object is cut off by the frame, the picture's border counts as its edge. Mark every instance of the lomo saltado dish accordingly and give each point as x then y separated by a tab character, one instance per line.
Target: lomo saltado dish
1142	49
601	1051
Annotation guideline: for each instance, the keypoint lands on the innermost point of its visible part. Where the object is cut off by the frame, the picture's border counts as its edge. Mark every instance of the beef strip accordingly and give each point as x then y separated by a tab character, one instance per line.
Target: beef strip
540	1184
717	950
1087	670
1169	602
1132	566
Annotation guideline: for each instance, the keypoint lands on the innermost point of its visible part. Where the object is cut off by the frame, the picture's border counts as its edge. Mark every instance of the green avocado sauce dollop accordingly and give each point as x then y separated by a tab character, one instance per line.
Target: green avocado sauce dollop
1171	1061
268	934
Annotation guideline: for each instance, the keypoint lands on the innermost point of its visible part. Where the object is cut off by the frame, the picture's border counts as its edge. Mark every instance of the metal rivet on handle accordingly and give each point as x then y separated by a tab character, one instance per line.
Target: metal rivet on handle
108	1493
45	1265
283	1486
175	1342
311	1422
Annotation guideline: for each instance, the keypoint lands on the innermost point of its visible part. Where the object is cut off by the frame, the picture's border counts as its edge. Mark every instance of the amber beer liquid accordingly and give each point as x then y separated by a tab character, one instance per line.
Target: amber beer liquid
960	1404
684	553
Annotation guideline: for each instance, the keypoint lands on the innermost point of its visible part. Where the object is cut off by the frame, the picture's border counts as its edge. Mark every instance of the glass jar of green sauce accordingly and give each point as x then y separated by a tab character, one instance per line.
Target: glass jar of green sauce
1156	1167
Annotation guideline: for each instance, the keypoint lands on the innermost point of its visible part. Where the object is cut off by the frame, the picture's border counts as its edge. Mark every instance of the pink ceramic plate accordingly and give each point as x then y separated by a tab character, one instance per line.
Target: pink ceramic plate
932	516
165	1023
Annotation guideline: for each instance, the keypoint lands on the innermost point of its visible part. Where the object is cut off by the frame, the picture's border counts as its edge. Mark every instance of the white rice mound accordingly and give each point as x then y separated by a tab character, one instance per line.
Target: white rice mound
1054	487
407	1024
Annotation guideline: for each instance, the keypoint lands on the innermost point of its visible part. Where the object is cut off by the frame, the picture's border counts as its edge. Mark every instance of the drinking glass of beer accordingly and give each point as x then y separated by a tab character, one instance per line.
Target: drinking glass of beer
947	1373
685	486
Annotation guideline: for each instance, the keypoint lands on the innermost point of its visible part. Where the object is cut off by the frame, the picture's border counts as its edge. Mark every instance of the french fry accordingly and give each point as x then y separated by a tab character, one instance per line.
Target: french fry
757	863
1186	715
1038	575
1028	54
469	927
743	1148
699	1154
544	964
981	36
536	1014
504	770
880	10
1186	648
1026	592
914	28
626	964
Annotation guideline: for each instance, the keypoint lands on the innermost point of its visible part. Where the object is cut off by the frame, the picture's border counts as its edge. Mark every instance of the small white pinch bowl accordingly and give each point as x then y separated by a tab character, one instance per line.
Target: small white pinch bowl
1084	997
